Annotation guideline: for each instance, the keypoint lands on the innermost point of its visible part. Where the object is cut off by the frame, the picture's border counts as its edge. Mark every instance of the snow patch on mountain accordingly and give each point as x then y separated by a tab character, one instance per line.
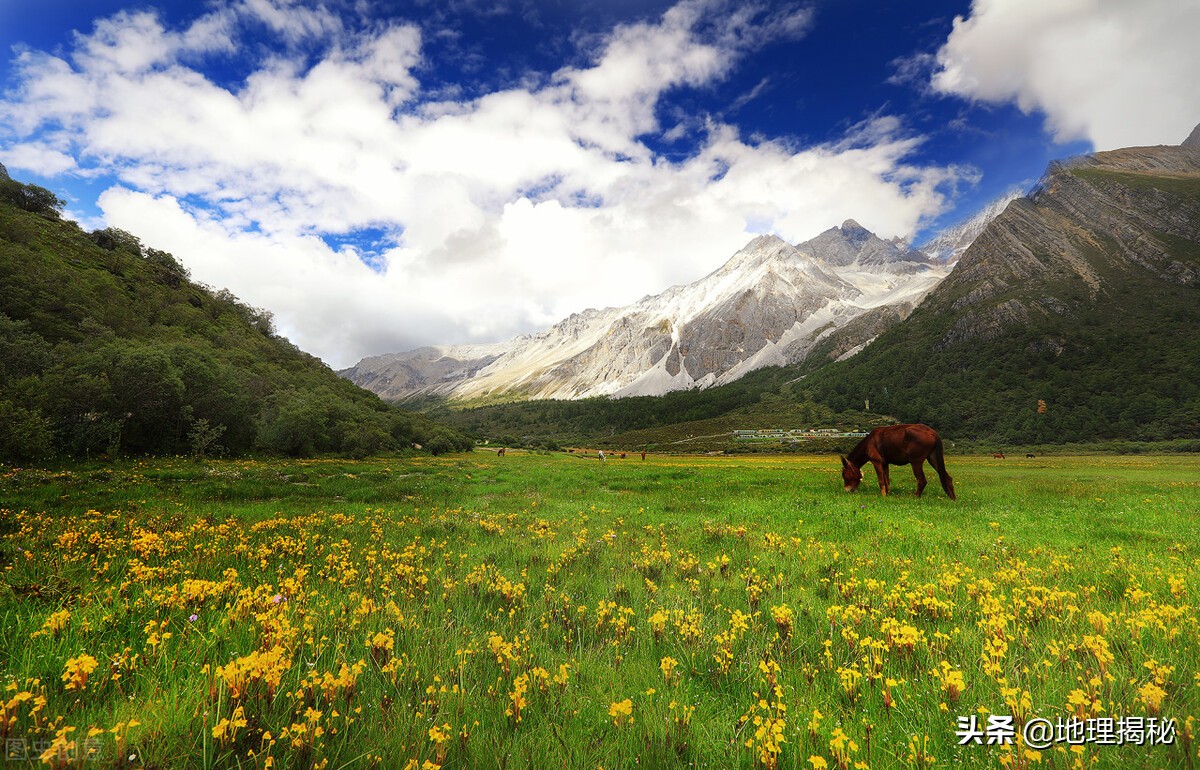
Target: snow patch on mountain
657	380
770	304
950	244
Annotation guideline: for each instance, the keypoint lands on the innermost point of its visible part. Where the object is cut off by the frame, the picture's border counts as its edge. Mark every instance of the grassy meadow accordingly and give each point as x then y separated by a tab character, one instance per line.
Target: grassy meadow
545	610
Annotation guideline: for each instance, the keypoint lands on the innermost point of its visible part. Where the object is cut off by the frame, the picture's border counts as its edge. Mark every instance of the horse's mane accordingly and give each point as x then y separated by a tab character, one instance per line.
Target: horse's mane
858	455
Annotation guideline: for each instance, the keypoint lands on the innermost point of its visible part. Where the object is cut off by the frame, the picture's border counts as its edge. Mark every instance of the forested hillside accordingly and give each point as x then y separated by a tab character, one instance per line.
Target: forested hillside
772	397
1072	318
107	347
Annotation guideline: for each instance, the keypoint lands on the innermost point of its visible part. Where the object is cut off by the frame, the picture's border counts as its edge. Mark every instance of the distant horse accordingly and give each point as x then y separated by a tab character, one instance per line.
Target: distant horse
998	455
897	445
1029	454
500	453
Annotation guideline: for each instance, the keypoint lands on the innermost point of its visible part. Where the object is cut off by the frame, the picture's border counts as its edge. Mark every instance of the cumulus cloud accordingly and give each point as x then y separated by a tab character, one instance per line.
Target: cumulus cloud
1111	72
504	212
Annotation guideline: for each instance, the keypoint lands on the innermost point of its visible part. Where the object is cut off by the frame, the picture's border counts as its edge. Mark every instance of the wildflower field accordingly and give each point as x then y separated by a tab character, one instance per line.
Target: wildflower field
541	610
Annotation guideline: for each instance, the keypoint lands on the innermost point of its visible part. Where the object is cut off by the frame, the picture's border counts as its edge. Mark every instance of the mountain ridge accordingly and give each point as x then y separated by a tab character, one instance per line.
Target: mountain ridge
1083	295
771	303
950	243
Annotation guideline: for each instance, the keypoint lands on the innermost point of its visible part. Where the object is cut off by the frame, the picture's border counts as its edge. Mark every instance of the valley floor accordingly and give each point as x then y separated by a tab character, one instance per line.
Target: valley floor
539	610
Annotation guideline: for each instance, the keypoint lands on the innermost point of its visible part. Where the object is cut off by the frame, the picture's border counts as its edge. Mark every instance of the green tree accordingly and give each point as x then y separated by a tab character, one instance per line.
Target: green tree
114	239
292	423
23	353
30	197
147	393
203	437
26	434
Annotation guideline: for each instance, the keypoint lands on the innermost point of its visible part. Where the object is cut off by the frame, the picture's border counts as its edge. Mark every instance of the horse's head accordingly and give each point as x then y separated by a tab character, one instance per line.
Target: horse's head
851	475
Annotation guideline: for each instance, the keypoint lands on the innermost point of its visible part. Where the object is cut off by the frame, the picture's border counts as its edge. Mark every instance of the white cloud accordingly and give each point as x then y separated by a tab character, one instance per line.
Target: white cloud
1113	72
46	160
507	212
291	20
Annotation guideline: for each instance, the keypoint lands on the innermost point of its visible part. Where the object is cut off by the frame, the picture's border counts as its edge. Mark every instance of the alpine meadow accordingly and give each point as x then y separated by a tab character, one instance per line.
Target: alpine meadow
542	609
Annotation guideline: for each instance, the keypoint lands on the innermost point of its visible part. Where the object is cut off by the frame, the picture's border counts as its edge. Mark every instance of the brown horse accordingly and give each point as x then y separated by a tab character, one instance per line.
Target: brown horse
897	445
998	455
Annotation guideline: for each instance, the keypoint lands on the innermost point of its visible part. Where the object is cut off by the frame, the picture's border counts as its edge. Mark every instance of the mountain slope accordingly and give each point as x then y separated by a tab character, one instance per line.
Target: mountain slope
1085	296
950	244
770	304
107	346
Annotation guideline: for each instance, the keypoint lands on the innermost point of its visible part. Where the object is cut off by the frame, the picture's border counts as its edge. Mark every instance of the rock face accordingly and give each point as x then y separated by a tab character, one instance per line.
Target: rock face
1088	222
949	245
771	304
1193	140
853	244
1085	295
421	370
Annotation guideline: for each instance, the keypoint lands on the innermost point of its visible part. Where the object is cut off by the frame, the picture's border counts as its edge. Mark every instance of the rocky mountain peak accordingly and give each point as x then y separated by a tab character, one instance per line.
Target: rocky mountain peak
854	244
1086	291
764	248
1094	222
765	241
1193	140
4	172
770	304
853	231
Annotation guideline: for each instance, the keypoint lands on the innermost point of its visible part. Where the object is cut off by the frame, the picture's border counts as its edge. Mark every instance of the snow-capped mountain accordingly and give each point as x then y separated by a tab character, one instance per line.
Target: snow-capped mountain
770	304
950	244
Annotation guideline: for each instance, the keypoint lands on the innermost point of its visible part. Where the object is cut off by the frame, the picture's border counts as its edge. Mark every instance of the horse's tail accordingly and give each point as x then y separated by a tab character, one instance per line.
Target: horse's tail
937	459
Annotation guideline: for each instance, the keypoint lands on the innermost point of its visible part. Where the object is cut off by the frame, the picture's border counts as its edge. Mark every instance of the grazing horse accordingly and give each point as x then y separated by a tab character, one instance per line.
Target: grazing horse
998	455
897	445
1029	454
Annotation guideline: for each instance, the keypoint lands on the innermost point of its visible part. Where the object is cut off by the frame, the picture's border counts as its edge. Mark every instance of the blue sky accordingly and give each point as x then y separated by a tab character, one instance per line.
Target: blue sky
390	174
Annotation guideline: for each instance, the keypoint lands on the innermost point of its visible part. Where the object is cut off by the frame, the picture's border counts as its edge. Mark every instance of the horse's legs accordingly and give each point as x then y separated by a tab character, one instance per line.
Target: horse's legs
919	472
881	472
938	460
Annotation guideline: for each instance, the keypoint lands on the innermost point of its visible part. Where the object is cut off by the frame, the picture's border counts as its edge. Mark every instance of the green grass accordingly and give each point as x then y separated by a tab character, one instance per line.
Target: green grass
1177	184
445	585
